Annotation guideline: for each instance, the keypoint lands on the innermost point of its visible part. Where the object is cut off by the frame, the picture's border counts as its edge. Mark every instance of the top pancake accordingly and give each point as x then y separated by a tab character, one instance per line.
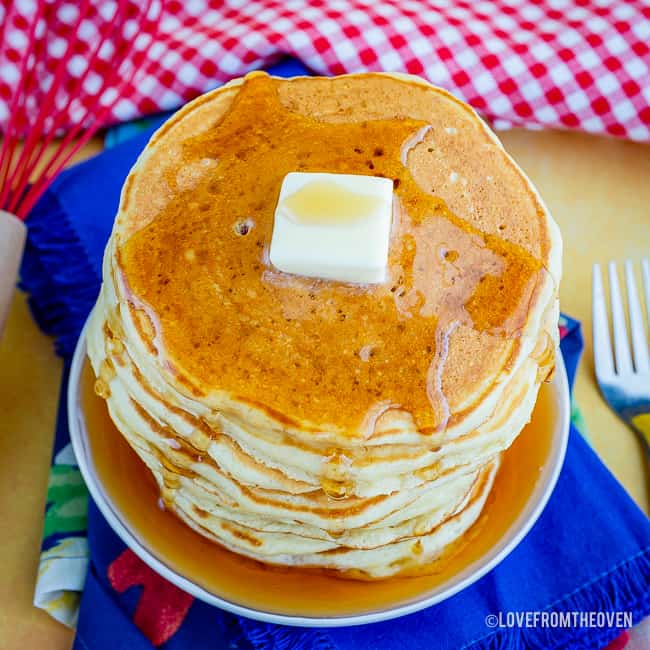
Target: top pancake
473	263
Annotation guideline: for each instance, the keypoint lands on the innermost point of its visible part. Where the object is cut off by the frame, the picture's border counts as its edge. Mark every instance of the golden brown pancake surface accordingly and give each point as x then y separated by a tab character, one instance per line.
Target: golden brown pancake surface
327	353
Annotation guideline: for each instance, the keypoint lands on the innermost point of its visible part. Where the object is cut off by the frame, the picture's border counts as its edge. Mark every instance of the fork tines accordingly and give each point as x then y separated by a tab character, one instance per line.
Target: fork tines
621	362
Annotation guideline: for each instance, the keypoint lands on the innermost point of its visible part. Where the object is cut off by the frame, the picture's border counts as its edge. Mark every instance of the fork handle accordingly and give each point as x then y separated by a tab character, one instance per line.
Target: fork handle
642	429
12	243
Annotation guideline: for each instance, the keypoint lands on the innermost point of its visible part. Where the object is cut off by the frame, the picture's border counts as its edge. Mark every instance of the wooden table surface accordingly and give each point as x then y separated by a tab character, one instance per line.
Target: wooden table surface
596	188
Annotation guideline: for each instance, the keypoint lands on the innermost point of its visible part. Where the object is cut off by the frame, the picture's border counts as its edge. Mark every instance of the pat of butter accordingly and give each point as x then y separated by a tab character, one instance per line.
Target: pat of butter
333	226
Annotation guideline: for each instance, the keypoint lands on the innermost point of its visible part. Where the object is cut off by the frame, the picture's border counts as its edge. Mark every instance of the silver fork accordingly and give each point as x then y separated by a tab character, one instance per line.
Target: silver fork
624	384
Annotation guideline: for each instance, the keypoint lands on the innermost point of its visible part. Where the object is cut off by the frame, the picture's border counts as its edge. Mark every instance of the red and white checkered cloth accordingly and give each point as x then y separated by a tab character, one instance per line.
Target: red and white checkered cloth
575	64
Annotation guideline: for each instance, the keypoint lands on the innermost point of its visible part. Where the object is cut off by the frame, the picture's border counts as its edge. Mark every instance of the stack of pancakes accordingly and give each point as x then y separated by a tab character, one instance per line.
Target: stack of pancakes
304	422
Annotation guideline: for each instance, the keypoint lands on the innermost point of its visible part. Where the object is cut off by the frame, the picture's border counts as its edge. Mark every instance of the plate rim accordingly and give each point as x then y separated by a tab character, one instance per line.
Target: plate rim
514	535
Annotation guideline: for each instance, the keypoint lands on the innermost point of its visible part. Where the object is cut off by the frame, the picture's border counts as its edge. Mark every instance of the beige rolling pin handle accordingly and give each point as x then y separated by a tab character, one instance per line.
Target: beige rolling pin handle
12	242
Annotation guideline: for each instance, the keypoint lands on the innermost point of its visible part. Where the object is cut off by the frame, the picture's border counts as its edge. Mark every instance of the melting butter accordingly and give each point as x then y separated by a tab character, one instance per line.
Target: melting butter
333	226
323	202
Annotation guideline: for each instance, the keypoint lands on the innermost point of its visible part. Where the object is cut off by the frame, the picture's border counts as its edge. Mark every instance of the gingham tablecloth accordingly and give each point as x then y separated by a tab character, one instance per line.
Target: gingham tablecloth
576	64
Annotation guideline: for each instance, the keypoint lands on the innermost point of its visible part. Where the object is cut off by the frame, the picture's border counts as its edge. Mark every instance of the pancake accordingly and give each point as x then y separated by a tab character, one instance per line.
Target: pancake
305	422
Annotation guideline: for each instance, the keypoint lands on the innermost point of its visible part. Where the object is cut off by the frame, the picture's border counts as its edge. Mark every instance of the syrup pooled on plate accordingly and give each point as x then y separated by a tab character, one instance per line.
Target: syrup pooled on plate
132	491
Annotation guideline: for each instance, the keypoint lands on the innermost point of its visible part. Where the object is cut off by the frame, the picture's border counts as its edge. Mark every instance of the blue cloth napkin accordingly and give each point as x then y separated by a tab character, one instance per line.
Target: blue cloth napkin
589	551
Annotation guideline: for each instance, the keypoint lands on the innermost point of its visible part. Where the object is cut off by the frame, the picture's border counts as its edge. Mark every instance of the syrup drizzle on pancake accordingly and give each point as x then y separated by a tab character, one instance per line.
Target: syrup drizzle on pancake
230	322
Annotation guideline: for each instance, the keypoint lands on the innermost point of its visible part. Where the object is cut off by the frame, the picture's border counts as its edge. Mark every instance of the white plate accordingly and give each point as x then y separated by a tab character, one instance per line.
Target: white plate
470	574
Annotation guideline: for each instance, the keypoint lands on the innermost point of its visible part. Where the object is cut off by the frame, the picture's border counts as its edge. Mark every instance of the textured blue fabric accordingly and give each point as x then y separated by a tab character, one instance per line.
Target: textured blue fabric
590	550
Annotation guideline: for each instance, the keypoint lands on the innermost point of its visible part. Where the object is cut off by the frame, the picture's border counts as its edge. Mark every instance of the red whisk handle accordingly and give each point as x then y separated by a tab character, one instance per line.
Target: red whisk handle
12	242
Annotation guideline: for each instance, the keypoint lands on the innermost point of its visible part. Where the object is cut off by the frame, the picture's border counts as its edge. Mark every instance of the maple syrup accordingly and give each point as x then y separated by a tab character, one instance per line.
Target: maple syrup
132	491
223	332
